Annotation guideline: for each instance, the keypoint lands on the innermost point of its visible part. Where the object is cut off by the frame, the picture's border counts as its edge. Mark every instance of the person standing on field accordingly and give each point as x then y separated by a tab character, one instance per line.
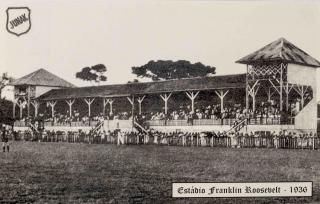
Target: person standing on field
5	139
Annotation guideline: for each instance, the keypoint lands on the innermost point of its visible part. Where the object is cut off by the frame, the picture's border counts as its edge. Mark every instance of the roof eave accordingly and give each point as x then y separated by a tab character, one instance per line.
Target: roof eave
250	62
27	84
124	95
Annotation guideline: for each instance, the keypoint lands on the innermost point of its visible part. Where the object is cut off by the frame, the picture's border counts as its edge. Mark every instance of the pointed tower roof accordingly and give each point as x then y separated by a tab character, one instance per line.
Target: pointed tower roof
42	77
280	50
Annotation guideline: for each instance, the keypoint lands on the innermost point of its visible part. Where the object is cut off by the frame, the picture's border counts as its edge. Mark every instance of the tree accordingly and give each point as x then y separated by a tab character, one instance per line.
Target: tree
6	112
133	81
164	70
95	73
4	81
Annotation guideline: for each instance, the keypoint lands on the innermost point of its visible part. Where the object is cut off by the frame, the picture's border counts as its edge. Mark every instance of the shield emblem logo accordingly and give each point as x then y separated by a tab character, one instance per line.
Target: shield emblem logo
18	20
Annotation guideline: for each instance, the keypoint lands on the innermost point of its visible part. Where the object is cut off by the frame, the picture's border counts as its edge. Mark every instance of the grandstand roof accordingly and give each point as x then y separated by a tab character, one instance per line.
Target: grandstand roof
42	77
118	90
280	50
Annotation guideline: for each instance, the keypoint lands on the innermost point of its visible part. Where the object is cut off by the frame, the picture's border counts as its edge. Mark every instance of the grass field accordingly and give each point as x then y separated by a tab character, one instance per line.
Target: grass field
88	173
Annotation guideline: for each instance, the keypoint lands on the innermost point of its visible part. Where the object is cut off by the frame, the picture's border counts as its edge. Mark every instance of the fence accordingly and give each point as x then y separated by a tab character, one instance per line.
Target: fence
284	142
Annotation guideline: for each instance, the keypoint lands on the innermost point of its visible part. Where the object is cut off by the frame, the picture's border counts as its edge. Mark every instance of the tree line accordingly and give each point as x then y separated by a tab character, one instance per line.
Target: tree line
154	70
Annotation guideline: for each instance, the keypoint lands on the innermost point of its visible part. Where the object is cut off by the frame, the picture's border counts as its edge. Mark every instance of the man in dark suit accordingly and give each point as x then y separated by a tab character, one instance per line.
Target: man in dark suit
5	139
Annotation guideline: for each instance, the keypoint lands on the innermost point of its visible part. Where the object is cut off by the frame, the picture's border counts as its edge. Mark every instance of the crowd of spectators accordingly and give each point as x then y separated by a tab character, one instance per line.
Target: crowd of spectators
264	110
237	111
204	112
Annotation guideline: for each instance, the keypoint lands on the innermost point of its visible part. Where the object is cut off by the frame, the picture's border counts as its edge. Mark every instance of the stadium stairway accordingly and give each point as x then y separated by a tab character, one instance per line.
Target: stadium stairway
239	125
98	127
34	130
144	130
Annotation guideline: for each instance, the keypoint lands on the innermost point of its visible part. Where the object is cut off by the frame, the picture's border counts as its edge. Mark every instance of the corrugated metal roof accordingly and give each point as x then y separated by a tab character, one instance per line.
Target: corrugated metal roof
280	50
118	90
42	77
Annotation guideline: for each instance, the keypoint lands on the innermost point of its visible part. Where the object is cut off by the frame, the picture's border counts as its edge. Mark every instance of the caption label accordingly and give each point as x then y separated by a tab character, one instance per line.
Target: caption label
224	190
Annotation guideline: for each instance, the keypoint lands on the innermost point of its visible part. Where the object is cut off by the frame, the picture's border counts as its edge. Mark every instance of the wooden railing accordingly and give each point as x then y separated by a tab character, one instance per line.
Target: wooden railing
194	122
20	124
72	124
230	122
270	121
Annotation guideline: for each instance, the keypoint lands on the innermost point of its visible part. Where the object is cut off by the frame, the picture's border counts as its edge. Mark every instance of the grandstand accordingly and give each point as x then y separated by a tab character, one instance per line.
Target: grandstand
277	93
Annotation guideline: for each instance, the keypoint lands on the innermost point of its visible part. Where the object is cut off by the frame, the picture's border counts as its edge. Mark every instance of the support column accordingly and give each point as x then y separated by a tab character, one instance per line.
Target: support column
302	96
28	101
36	105
275	87
132	110
281	87
247	89
52	105
111	102
253	102
105	102
89	102
140	99
301	90
14	108
70	103
192	96
131	100
20	105
253	92
165	98
287	91
221	95
269	94
21	110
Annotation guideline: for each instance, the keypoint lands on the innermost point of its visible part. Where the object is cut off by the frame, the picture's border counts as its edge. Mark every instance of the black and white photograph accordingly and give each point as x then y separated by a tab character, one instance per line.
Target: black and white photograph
159	101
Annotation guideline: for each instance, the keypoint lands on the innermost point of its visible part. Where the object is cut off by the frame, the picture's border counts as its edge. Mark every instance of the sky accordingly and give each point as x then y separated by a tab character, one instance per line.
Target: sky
68	35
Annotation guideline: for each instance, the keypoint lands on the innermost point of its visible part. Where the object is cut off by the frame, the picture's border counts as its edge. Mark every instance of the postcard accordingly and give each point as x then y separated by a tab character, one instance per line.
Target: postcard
159	101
